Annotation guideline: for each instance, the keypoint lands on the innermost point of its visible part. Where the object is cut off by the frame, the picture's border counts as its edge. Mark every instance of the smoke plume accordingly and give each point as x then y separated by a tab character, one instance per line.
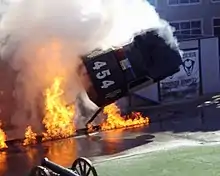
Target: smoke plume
42	39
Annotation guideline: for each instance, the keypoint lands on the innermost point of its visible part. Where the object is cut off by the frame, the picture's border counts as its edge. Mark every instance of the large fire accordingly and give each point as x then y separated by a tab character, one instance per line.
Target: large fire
2	138
58	119
115	120
30	136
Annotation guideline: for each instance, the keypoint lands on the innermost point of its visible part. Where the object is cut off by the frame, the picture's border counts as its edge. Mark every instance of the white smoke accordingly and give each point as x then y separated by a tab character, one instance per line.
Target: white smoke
41	39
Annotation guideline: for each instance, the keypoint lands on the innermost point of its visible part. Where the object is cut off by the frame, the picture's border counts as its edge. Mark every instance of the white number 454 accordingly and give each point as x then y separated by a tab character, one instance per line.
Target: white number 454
103	74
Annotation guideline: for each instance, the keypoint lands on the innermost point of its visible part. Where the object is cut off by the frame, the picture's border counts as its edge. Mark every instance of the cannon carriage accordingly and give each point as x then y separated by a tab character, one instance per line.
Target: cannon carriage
80	167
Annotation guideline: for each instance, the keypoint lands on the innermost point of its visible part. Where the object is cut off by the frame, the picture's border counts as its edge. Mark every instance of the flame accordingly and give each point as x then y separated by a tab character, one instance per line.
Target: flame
58	119
3	137
30	137
115	120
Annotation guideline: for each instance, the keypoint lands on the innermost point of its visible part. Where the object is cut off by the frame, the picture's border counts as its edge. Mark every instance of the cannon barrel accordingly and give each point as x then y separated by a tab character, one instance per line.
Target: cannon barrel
57	168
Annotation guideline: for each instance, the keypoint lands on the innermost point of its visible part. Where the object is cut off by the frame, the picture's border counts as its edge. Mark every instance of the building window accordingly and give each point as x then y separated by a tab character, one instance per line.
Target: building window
152	2
188	29
183	2
216	26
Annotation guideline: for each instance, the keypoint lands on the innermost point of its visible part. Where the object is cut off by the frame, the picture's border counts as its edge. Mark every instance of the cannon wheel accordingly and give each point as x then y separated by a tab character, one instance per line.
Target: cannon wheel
39	171
84	167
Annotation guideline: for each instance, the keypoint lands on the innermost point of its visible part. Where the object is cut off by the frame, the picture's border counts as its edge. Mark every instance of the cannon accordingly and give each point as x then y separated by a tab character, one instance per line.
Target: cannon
80	167
109	75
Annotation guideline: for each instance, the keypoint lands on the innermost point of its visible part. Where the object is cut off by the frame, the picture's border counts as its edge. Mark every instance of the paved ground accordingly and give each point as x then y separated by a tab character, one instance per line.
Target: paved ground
184	142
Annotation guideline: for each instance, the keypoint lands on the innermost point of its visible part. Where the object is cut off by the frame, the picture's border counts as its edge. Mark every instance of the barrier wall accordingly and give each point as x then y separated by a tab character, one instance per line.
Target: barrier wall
199	75
210	65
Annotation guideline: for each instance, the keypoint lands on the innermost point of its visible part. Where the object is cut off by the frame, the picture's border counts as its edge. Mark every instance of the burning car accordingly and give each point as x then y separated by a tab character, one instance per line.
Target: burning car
108	75
111	74
45	62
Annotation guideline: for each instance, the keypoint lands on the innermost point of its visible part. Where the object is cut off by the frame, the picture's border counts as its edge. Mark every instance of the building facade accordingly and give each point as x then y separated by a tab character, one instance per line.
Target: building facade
191	17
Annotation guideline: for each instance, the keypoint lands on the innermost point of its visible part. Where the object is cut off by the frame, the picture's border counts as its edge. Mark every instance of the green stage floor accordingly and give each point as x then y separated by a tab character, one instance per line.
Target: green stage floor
190	161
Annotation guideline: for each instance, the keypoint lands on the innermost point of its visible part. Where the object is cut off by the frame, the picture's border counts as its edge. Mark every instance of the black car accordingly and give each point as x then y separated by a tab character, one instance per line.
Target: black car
111	74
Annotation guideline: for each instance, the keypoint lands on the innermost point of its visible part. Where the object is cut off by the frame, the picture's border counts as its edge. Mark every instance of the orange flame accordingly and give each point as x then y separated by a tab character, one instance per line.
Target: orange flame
115	120
30	137
58	120
3	137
